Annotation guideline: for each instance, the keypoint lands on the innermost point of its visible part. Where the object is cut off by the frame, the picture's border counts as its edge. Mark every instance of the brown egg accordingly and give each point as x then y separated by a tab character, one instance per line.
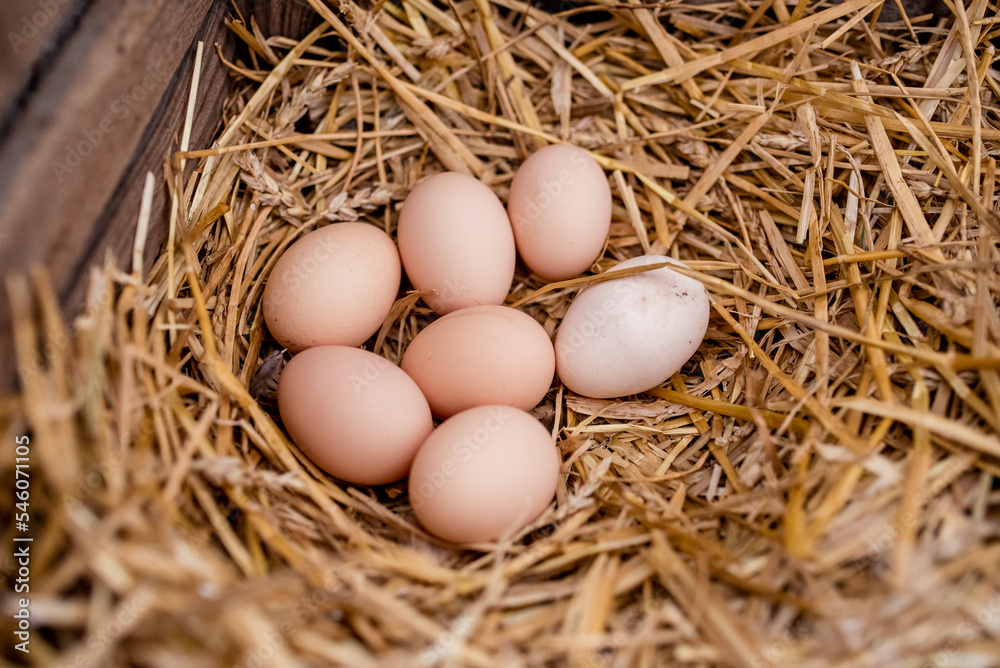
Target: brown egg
483	474
454	238
560	211
355	414
481	355
334	286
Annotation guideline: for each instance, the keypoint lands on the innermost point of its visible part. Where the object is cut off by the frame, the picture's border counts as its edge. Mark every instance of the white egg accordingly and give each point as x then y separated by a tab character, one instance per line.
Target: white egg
630	334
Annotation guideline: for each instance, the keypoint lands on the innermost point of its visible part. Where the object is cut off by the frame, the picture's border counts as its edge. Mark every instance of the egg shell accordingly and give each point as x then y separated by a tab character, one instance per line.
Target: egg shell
627	335
560	210
355	414
481	355
484	474
454	237
334	286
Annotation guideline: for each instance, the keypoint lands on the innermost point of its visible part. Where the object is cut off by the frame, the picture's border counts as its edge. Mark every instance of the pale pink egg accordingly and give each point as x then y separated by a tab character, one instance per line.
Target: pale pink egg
454	238
560	210
483	474
481	355
355	414
334	286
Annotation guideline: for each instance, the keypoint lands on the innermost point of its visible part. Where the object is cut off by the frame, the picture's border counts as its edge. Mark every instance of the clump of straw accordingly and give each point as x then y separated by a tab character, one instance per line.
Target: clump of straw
817	487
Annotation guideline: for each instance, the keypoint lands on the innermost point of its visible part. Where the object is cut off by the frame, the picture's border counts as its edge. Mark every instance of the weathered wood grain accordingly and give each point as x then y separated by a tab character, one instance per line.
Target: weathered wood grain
28	29
97	102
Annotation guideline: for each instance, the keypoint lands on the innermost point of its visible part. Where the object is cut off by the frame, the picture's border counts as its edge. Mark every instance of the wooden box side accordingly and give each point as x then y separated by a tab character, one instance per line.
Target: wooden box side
93	100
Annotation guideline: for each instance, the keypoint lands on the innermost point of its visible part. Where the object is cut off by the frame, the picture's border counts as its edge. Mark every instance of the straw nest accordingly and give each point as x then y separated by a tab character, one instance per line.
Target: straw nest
818	487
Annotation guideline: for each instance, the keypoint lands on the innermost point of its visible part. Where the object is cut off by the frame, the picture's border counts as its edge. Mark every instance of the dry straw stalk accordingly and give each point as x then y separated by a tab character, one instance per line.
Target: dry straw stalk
817	487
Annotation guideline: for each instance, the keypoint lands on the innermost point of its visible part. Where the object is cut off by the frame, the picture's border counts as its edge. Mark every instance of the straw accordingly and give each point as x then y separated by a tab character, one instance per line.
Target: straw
816	487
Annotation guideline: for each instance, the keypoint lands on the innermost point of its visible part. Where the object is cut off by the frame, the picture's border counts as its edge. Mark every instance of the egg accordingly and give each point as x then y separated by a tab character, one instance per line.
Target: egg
483	474
560	210
334	286
454	238
481	355
355	414
627	335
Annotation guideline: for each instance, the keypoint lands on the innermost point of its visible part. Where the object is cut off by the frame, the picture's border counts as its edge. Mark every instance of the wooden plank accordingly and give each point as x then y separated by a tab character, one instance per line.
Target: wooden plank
106	103
287	19
290	19
28	28
73	138
115	223
63	156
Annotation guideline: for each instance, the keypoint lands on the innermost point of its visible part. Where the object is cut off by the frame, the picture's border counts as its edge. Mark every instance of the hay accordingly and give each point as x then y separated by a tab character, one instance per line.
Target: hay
818	487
